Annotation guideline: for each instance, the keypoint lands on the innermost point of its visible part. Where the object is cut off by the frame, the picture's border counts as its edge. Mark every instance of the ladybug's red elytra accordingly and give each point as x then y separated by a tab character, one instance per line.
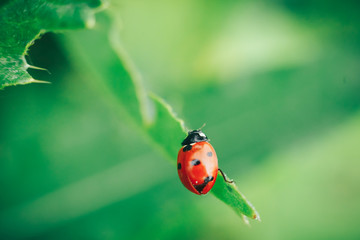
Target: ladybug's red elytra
197	163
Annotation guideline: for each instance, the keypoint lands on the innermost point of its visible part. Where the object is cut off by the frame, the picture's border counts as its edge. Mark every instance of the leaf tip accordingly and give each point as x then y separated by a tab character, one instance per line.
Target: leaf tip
256	216
38	81
37	68
245	220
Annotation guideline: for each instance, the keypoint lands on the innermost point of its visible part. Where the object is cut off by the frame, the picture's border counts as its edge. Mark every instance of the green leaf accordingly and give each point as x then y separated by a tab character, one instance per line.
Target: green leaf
22	22
166	122
229	194
114	73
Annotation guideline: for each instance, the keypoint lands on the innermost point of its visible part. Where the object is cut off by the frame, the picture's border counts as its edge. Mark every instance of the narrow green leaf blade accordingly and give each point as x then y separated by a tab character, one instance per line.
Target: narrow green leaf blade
105	68
166	129
160	125
229	194
166	122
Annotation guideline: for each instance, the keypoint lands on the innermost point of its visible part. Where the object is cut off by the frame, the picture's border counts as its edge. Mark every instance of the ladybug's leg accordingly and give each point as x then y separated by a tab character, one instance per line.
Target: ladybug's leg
225	177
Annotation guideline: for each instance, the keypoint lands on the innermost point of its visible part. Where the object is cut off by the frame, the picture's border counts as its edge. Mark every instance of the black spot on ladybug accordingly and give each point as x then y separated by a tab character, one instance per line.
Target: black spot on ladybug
209	154
195	162
179	166
208	179
201	187
187	148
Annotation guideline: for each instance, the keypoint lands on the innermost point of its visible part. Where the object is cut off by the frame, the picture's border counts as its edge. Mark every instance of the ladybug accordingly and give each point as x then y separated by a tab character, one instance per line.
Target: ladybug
197	163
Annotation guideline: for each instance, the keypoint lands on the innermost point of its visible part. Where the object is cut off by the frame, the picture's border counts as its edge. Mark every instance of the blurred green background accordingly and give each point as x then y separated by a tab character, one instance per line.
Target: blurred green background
277	83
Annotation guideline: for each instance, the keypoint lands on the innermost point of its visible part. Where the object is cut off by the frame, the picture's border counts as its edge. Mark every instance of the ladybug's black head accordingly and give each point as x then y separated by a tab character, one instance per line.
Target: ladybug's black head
194	136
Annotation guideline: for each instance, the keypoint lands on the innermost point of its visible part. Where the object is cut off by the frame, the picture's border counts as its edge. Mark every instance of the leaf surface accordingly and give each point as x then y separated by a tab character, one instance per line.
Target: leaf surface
22	22
114	72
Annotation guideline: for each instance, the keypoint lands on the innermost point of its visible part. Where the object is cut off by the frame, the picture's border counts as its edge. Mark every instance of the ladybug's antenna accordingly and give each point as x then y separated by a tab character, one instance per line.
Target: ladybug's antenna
202	126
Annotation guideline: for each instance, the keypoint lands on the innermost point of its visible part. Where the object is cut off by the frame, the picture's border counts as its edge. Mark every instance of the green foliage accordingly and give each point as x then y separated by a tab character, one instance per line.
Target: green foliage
277	85
122	81
118	73
22	22
166	123
166	129
228	193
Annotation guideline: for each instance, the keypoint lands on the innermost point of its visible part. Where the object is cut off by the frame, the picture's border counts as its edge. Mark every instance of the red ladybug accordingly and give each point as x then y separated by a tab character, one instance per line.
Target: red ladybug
197	163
